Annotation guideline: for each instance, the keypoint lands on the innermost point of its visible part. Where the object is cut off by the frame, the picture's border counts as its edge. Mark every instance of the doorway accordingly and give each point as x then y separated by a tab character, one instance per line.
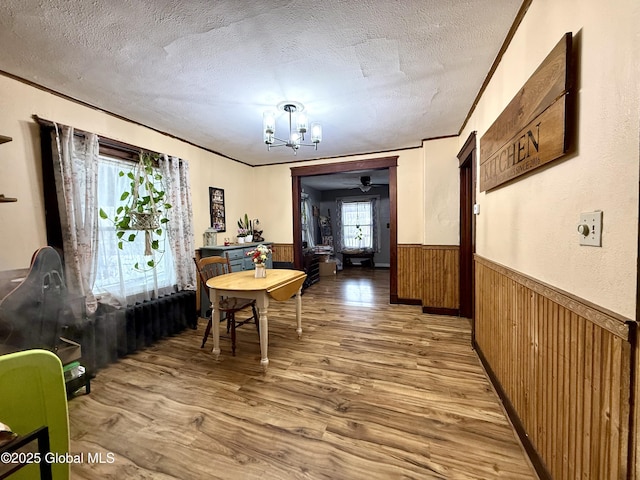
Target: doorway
467	160
390	163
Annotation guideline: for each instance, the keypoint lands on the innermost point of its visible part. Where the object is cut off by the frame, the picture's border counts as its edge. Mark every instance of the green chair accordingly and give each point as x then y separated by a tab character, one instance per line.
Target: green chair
34	395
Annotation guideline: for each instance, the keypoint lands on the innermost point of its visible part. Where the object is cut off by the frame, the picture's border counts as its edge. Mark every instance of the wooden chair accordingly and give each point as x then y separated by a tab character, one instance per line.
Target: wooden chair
209	267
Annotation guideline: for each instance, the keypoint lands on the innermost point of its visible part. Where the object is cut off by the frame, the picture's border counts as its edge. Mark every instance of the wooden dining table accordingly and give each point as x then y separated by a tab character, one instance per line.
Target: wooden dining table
279	284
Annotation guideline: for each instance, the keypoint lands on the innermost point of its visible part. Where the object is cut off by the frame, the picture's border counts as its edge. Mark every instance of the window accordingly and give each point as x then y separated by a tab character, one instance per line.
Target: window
116	276
80	177
357	224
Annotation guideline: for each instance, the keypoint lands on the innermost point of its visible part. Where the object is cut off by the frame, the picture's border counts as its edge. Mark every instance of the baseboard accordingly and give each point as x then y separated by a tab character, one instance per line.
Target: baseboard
408	301
536	461
453	312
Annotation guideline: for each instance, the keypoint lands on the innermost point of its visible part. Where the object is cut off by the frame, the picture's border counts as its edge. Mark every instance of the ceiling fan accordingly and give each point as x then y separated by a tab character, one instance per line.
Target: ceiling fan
365	184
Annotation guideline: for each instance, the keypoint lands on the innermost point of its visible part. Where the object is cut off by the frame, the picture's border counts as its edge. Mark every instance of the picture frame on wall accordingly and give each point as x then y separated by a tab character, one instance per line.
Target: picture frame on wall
216	207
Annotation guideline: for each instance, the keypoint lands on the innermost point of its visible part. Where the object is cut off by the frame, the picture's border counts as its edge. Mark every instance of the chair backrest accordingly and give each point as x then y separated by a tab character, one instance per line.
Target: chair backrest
209	267
34	395
33	313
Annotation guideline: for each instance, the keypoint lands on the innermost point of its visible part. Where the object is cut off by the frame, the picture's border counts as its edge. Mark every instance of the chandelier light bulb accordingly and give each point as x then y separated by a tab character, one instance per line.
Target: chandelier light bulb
269	126
302	123
316	133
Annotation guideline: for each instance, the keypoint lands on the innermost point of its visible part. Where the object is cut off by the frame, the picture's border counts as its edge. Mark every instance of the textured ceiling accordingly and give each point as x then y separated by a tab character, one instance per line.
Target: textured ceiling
379	75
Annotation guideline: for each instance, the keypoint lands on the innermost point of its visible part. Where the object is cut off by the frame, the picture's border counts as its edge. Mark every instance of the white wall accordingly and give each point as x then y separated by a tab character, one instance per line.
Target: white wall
530	224
22	223
441	192
262	192
275	186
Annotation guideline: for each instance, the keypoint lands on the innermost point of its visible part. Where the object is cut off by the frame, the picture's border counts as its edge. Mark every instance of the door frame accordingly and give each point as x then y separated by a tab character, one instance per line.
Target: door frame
390	163
467	164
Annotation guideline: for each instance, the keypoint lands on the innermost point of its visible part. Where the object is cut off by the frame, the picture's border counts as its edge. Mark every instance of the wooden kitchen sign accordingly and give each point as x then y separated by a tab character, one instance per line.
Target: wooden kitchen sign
532	130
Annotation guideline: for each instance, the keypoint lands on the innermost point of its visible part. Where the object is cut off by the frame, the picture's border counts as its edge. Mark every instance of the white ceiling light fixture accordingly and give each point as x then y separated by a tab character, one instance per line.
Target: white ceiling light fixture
298	126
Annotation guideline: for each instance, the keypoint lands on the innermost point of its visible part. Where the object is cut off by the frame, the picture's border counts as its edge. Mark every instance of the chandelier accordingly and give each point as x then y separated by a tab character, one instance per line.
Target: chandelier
298	126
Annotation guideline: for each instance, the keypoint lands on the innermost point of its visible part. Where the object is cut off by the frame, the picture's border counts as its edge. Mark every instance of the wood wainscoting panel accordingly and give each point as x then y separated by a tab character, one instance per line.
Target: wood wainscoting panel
440	279
282	252
563	368
409	273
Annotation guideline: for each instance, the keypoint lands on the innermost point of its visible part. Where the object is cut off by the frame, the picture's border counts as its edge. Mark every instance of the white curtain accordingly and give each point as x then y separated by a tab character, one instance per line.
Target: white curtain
357	222
95	267
76	172
307	227
118	281
180	227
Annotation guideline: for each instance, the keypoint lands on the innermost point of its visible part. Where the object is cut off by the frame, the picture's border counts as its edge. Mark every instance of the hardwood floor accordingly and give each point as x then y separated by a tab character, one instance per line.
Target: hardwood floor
371	391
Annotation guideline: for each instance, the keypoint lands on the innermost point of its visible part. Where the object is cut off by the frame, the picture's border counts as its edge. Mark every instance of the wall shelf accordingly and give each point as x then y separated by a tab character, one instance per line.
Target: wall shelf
4	199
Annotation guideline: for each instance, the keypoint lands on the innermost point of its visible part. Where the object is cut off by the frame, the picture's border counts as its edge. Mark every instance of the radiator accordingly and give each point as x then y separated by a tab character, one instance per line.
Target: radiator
113	333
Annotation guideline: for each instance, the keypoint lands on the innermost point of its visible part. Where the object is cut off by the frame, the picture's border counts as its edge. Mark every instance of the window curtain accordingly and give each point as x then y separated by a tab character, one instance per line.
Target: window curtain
75	160
341	243
375	223
339	239
95	268
307	227
180	226
118	282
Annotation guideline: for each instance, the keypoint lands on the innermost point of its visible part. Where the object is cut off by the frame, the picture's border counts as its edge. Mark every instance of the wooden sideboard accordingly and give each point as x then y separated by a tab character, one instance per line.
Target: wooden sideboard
312	269
237	254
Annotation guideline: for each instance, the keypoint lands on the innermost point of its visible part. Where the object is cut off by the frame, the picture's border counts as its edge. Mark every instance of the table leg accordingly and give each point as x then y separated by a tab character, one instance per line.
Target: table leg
263	305
215	319
299	312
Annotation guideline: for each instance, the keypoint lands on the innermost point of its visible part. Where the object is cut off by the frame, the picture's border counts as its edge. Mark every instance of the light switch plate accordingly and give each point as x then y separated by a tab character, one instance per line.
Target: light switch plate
593	222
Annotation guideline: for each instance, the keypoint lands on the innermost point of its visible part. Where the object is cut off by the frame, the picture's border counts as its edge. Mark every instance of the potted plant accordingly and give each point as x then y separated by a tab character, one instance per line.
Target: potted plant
143	209
245	229
242	233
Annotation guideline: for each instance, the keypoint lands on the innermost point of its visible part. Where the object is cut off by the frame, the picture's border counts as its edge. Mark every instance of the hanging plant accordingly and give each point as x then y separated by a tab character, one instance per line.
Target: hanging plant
144	208
359	234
